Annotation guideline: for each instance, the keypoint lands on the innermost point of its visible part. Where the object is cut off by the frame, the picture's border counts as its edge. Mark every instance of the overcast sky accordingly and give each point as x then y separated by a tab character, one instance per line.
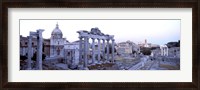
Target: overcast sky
155	31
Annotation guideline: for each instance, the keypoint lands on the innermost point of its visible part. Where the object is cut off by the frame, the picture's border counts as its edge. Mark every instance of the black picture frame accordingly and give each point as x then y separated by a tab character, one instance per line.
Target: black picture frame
194	4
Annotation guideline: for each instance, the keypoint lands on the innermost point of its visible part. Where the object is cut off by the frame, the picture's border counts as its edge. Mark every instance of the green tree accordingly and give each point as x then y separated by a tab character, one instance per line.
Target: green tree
146	51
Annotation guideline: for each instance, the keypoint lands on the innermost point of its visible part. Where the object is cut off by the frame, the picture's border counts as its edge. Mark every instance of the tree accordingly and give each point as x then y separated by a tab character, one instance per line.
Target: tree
173	44
146	51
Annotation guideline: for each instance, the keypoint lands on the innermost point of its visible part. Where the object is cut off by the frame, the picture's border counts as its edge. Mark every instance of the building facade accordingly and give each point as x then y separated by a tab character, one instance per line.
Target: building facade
57	43
52	47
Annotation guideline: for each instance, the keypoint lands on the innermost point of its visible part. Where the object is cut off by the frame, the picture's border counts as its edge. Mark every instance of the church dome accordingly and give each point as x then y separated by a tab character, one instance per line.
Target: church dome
56	31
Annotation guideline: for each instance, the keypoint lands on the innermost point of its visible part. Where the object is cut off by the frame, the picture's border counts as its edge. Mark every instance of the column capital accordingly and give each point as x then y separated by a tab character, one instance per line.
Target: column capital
107	39
113	39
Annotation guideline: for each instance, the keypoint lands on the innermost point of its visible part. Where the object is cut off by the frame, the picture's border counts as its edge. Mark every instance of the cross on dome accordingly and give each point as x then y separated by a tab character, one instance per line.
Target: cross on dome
57	25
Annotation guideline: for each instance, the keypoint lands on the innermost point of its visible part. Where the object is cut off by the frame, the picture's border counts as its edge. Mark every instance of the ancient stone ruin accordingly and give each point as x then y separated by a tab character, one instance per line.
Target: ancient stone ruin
95	50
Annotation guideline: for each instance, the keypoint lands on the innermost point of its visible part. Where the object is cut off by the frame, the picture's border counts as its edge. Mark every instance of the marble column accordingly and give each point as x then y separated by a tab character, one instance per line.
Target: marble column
68	57
85	52
167	51
99	50
39	49
71	56
107	50
80	50
65	57
93	50
113	49
51	48
161	51
74	57
103	49
29	52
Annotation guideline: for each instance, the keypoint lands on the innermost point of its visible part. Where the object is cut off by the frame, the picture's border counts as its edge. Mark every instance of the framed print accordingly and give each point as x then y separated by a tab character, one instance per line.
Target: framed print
100	44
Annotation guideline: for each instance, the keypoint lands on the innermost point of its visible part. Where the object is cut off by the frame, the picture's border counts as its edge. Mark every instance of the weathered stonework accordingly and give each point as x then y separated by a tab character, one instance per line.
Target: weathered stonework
94	34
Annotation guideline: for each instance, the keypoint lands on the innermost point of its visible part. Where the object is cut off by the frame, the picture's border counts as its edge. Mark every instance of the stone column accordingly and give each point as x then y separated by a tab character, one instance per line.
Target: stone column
23	51
107	50
65	57
32	50
93	50
85	52
99	50
51	48
68	57
113	49
29	52
72	55
39	49
80	50
167	51
103	50
161	51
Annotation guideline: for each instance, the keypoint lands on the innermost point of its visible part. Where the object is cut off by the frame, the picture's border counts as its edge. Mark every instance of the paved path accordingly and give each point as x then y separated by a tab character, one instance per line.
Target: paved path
144	65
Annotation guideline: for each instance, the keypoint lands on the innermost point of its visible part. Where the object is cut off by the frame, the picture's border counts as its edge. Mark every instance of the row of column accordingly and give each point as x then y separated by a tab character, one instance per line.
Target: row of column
38	34
84	49
164	51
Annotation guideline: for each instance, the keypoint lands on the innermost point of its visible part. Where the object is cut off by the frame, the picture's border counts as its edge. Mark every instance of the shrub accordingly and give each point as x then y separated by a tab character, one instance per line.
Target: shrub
146	51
